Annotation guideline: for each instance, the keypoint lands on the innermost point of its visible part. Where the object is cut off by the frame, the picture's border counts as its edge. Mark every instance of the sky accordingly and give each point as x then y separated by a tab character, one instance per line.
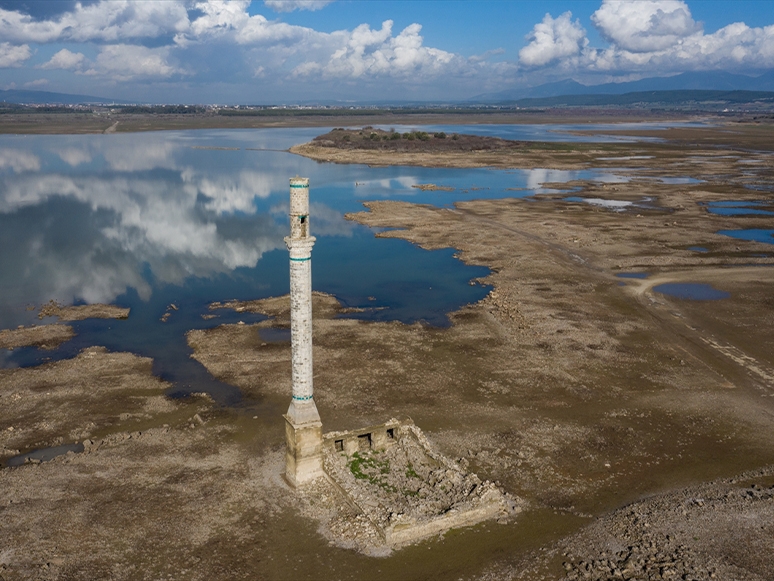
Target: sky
293	51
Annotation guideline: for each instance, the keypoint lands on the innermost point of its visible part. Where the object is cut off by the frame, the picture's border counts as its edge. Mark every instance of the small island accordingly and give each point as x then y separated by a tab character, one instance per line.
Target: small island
377	147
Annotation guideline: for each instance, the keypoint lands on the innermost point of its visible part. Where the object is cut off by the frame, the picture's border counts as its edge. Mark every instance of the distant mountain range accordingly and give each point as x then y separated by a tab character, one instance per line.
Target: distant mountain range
704	81
47	97
687	98
690	87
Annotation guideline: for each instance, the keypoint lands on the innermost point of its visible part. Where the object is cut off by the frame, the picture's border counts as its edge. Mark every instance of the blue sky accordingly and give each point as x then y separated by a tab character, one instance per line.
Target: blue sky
281	51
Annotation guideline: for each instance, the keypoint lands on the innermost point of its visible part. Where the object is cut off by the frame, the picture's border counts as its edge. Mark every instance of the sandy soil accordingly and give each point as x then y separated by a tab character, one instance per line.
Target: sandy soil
52	335
43	336
67	401
534	155
700	532
610	408
81	312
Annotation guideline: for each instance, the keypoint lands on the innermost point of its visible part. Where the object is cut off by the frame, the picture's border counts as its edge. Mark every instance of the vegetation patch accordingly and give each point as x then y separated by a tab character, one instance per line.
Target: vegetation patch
391	140
374	470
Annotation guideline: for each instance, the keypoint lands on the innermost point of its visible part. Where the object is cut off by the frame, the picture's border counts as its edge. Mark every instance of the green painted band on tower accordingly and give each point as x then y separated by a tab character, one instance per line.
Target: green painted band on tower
300	259
302	397
299	185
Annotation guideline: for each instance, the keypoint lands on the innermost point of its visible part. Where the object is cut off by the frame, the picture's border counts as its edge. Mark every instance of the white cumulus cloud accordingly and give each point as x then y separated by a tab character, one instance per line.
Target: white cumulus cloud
36	83
290	5
103	21
64	59
370	52
13	56
647	37
126	61
732	47
645	25
553	39
212	39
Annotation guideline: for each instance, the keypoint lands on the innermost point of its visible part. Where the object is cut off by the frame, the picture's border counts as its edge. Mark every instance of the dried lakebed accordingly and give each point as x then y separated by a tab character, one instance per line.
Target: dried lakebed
573	393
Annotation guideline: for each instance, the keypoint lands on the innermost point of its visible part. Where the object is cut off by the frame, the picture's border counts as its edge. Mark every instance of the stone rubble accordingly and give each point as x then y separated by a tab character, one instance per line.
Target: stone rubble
409	485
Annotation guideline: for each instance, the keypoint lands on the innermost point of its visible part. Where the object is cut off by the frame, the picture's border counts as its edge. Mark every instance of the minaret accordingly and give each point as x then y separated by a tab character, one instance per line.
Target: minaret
303	428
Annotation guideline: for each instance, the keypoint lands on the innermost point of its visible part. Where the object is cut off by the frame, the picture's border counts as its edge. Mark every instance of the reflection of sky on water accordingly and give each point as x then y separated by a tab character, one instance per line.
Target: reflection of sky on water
751	234
149	219
694	291
738	208
86	218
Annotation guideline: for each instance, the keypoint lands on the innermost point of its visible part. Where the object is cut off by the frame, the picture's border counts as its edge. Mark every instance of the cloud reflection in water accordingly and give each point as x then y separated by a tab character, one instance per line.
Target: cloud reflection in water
150	204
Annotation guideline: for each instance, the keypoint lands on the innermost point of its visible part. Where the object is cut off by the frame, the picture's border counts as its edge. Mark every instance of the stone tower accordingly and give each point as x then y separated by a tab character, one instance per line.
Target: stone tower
303	428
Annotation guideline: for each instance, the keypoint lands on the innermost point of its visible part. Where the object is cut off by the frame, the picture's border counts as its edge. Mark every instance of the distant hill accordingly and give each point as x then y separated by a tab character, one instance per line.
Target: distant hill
682	98
704	81
44	97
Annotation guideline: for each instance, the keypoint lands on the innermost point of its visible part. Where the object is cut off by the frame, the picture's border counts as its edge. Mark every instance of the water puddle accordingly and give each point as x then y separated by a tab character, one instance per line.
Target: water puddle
679	180
692	291
632	275
615	205
43	454
738	208
751	234
760	187
698	249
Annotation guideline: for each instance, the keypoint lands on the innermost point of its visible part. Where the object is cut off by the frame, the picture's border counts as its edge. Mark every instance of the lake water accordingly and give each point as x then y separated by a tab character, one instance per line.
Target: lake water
691	290
148	220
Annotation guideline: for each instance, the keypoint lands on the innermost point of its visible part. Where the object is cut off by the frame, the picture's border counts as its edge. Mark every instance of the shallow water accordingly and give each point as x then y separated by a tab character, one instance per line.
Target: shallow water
678	180
44	454
691	290
753	234
553	132
615	205
185	218
738	208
